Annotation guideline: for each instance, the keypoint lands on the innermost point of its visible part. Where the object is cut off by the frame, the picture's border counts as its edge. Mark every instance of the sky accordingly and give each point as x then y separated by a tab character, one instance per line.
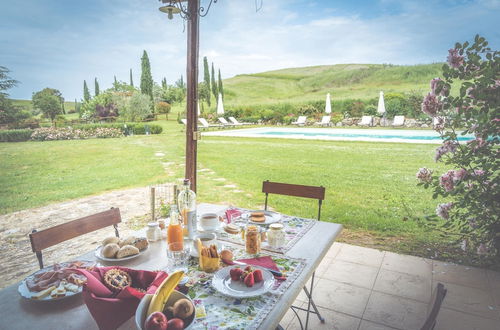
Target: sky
60	43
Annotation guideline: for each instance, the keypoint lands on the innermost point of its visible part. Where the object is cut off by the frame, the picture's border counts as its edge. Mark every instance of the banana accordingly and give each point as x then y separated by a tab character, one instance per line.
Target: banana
163	292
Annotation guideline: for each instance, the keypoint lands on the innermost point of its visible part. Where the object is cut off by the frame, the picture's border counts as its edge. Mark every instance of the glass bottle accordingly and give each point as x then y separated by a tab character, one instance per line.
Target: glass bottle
175	238
252	239
187	208
276	235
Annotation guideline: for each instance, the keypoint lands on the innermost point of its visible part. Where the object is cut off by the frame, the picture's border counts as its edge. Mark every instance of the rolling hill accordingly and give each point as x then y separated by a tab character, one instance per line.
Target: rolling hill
342	81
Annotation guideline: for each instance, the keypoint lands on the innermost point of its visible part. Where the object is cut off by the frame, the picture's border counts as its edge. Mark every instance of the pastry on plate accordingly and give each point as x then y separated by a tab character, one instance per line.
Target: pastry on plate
110	250
231	229
111	239
127	241
117	279
141	243
258	218
126	251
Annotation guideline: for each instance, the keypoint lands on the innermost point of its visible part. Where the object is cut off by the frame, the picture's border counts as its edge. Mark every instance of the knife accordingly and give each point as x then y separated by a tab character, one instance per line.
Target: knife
272	271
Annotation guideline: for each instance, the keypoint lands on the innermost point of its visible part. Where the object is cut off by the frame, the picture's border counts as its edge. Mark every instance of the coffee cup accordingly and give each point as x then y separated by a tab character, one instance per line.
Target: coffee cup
209	221
206	239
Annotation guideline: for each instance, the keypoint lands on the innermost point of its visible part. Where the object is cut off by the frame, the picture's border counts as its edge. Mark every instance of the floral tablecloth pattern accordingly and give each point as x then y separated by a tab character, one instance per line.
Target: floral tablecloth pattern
222	312
294	228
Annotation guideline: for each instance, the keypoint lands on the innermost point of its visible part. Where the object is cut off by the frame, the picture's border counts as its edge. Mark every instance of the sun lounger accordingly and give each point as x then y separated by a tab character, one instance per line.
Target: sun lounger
325	121
366	121
301	121
225	123
206	125
398	121
237	123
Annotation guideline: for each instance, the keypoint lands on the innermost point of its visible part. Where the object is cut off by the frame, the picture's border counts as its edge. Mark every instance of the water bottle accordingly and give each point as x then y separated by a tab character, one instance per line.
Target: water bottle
187	209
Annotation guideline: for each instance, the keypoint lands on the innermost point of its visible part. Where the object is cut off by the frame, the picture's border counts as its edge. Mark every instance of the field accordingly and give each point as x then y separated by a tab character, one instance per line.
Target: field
371	187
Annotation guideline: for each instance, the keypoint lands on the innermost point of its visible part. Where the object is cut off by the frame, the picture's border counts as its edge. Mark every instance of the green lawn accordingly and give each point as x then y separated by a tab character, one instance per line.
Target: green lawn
371	187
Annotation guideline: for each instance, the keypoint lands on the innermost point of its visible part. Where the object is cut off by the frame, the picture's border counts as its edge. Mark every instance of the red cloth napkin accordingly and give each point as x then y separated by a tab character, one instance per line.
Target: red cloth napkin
232	213
110	309
266	262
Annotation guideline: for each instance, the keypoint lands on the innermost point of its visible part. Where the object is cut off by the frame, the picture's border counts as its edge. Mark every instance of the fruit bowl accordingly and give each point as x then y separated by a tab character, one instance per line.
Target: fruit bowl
142	309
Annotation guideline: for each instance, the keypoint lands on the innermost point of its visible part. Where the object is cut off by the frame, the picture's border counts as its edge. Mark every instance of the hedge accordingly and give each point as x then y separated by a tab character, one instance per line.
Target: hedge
135	128
15	135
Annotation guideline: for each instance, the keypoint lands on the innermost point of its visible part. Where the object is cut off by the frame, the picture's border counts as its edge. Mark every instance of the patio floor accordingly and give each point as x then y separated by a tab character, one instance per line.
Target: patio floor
363	288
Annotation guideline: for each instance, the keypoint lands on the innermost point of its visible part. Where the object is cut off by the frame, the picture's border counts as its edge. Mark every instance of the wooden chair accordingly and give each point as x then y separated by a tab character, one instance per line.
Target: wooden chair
437	300
43	239
296	190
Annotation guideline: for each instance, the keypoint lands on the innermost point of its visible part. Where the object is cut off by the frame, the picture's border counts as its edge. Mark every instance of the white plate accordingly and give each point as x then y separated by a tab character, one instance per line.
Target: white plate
271	217
26	293
98	254
237	289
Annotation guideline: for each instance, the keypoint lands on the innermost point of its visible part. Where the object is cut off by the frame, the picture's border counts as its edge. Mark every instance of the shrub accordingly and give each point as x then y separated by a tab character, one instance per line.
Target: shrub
15	135
52	133
135	107
370	110
125	128
336	117
163	108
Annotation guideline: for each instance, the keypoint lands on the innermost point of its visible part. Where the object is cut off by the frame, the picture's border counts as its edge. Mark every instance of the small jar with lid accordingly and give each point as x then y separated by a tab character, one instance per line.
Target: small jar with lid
276	235
153	232
252	239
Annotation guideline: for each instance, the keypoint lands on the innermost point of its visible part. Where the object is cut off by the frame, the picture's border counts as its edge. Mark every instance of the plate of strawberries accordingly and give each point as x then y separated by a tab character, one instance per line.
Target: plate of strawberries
243	282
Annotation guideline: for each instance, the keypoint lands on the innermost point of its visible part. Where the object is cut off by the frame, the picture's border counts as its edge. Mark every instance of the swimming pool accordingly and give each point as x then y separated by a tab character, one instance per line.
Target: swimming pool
339	134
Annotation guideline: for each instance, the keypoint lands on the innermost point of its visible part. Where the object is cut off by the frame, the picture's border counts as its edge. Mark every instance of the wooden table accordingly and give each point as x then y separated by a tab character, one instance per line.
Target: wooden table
19	313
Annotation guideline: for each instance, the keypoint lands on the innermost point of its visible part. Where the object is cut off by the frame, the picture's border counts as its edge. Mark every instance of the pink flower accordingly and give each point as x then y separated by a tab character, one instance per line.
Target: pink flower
442	210
431	105
424	175
477	143
460	175
434	86
447	180
454	59
478	173
446	147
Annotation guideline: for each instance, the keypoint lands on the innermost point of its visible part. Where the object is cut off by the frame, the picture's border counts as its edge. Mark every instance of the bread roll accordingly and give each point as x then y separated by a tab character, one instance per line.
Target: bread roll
109	240
127	250
110	250
141	243
127	241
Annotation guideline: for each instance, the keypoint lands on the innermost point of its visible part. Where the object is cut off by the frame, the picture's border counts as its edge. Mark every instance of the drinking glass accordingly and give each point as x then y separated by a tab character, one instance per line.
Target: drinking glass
178	256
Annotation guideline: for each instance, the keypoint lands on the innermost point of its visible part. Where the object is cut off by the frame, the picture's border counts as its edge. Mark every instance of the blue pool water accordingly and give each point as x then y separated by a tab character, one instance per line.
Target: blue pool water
339	134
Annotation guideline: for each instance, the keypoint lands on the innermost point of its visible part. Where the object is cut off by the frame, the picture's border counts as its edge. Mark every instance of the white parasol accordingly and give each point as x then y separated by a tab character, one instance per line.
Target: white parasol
328	105
220	106
381	104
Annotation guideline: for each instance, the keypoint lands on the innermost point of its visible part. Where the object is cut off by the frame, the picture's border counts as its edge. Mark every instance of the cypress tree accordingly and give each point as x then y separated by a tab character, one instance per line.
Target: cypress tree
96	87
115	84
220	88
76	107
164	83
213	83
131	80
146	78
86	93
206	79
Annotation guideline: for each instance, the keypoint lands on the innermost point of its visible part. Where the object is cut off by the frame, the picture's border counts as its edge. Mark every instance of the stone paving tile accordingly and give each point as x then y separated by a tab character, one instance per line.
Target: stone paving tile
333	321
368	325
351	273
404	285
450	319
290	315
494	285
458	274
395	311
361	255
470	300
334	250
323	266
407	264
341	297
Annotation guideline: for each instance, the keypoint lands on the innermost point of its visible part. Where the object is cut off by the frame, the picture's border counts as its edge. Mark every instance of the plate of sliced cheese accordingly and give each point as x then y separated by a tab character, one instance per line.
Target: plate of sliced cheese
115	249
56	282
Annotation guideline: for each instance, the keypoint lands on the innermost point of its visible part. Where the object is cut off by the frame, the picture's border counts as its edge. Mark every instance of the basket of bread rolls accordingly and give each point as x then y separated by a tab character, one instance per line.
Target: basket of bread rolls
208	257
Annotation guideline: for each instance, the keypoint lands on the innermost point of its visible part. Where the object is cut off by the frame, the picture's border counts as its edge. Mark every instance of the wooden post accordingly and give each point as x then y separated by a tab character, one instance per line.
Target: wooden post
192	90
153	203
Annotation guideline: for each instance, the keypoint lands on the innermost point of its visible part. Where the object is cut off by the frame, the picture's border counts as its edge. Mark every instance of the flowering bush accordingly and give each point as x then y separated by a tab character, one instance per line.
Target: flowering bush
473	183
52	133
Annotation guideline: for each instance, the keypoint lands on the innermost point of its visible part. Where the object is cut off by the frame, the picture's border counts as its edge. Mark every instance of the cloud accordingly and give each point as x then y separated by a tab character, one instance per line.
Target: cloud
60	47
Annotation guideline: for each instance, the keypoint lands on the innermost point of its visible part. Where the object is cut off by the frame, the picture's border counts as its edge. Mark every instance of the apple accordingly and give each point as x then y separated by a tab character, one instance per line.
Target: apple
175	324
156	321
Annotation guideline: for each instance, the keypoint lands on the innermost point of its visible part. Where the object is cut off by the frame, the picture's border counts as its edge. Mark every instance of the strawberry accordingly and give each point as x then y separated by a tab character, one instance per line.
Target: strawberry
248	268
249	281
235	274
257	275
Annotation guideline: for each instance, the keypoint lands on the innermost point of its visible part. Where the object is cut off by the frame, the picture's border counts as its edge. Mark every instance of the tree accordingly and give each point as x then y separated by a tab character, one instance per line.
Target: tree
220	88
163	107
115	83
86	93
96	87
164	83
135	107
146	77
48	103
6	82
214	83
203	92
470	188
206	80
131	80
9	113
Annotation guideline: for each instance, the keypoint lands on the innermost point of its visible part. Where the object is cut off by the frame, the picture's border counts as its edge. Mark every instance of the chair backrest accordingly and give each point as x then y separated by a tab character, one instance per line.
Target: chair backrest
326	119
295	190
398	120
184	121
233	120
43	239
302	119
437	300
203	122
223	120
